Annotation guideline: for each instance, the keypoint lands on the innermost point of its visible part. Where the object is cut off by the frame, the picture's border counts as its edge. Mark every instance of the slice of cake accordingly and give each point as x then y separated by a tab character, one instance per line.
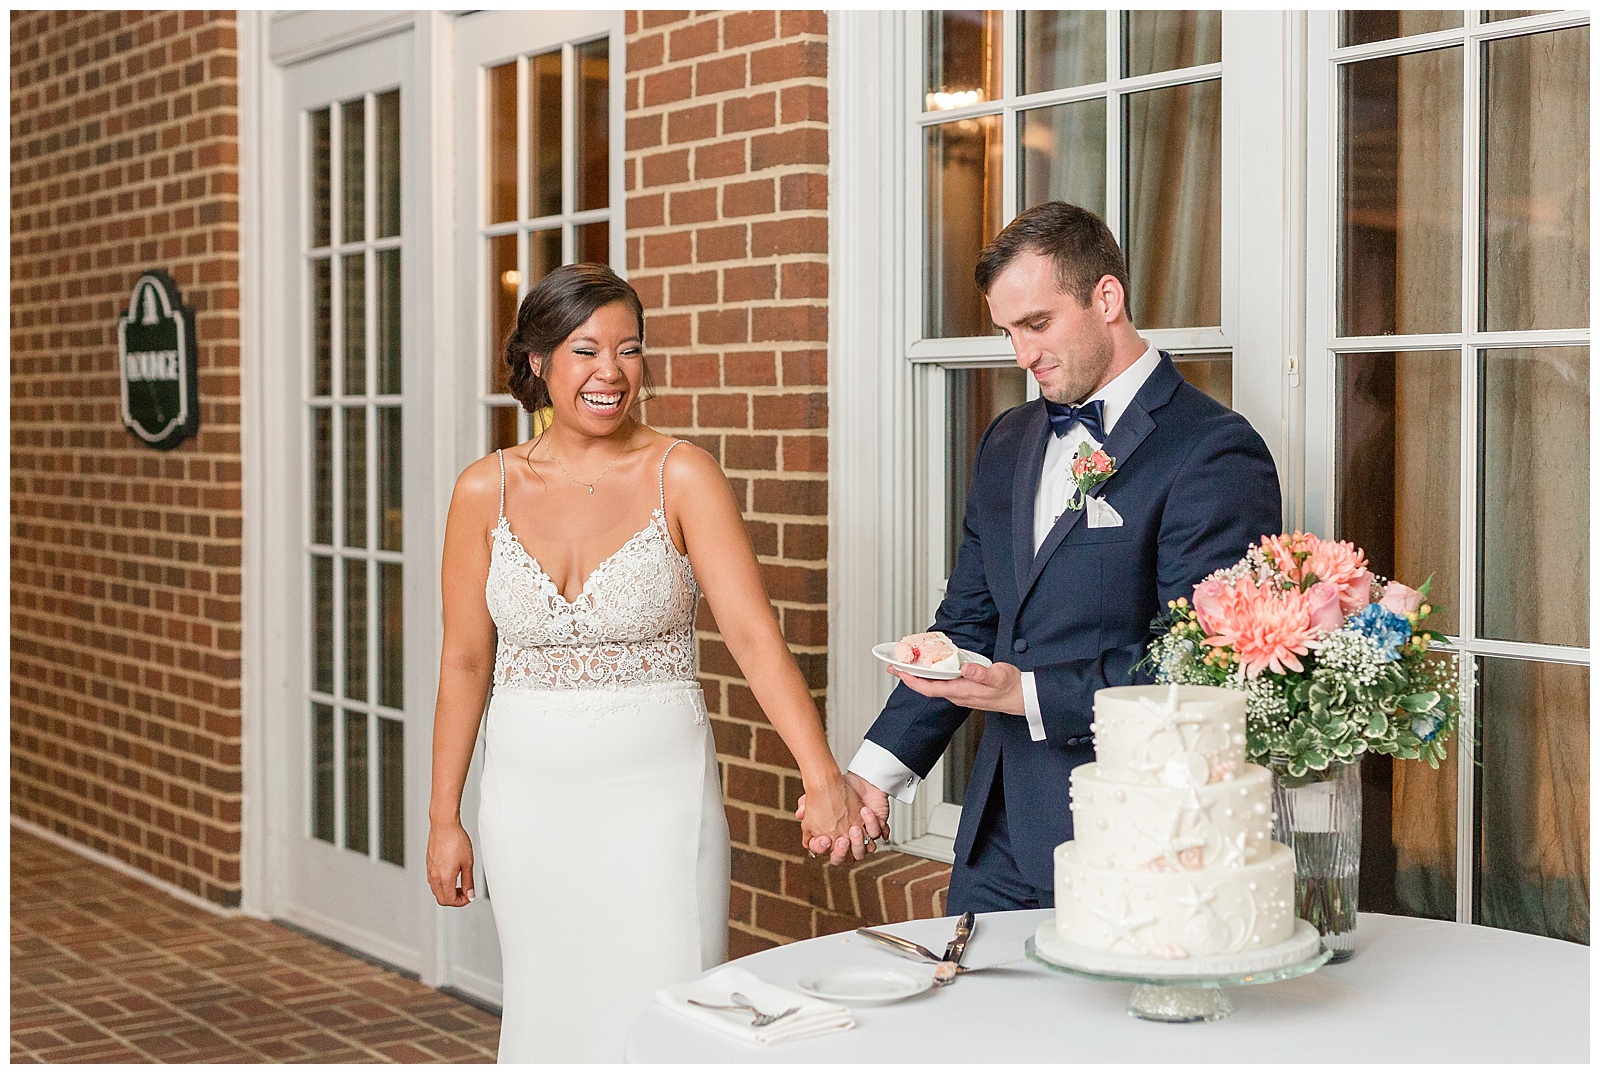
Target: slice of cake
929	650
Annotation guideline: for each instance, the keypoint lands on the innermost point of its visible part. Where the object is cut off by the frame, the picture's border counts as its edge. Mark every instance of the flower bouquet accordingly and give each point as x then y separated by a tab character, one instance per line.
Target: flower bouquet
1334	663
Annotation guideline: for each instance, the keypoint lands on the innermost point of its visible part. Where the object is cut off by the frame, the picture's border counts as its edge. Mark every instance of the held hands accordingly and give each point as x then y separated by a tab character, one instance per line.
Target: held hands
989	689
859	840
450	864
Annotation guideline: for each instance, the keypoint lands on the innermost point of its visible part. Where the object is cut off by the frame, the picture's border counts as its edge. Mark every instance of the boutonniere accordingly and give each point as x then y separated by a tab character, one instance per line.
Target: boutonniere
1090	469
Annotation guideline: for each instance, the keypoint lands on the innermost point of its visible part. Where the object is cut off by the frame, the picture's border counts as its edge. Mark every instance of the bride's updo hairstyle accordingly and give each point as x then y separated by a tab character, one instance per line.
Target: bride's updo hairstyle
558	306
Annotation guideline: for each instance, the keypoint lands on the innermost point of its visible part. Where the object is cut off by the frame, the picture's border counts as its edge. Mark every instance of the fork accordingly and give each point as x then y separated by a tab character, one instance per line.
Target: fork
742	1003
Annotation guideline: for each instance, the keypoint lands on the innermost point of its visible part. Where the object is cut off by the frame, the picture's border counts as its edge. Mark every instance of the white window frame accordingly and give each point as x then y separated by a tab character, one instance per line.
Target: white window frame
880	539
1324	344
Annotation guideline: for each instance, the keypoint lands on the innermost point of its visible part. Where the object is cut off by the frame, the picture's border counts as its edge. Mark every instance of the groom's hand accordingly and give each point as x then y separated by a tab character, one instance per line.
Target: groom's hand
874	824
997	688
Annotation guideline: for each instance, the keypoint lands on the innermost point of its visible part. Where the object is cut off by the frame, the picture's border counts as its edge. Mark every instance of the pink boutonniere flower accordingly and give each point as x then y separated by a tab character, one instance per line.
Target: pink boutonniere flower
1089	469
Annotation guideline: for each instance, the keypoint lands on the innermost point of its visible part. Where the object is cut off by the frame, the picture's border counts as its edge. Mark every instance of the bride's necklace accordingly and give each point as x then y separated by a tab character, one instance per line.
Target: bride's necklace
590	484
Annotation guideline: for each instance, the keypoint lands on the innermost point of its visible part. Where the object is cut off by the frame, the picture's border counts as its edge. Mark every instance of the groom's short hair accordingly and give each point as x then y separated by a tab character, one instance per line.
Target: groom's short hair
1076	240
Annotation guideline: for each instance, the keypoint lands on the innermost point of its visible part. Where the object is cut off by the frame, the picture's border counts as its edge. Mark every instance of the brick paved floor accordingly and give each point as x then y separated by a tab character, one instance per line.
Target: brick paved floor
107	969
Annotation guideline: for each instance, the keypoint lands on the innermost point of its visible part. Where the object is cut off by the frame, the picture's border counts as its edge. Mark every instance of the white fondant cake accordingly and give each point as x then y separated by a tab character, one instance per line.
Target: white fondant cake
1172	856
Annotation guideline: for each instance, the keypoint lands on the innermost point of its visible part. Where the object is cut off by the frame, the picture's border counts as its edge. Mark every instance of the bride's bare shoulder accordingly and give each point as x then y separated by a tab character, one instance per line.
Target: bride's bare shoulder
478	487
690	468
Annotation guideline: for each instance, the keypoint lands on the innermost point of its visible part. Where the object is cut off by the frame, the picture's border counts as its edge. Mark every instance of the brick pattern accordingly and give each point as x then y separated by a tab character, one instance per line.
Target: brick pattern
125	562
105	969
727	215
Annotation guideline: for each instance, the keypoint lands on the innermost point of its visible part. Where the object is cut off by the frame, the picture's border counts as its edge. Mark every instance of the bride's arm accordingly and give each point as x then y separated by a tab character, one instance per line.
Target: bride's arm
702	509
466	665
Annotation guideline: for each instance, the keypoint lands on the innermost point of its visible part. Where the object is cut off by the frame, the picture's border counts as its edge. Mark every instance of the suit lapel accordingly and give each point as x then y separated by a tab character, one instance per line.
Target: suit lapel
1132	428
1025	489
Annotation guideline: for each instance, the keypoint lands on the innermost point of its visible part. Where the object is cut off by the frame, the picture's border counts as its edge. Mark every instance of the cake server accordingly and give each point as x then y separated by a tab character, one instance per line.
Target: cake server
918	952
951	964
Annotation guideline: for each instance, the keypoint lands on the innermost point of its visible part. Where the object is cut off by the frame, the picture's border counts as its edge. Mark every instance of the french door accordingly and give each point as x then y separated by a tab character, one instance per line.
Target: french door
348	677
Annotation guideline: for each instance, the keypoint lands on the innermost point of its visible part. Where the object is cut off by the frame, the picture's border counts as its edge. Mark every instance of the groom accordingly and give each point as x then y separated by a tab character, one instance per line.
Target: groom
1057	587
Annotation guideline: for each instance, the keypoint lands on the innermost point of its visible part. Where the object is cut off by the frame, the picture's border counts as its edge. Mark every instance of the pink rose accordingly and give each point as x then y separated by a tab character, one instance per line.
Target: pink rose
1208	597
1326	615
1401	598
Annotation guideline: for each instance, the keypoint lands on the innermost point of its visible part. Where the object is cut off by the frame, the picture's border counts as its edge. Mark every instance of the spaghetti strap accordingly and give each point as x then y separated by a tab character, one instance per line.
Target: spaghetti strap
501	456
662	477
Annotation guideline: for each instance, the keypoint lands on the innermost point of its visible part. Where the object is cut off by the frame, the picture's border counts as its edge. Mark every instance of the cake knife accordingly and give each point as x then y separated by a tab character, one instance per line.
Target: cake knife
916	951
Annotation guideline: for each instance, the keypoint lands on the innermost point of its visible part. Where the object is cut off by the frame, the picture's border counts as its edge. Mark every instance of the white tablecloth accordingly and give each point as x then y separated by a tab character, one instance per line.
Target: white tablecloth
1416	991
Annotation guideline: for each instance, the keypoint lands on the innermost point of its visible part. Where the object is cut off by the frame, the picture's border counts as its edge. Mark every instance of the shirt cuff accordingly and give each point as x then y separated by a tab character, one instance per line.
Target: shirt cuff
1030	707
885	771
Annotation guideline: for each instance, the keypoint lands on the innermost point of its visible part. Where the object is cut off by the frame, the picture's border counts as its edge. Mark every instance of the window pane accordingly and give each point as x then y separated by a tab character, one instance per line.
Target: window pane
1212	373
356	821
544	254
1400	185
1399	454
388	163
1061	49
321	327
1535	466
963	214
1064	155
321	178
391	642
503	427
544	115
355	629
500	117
1173	193
974	398
322	475
1364	27
593	242
503	284
355	477
391	473
593	133
1421	831
1168	40
322	625
389	322
1535	852
391	792
1536	181
355	325
963	58
353	154
322	772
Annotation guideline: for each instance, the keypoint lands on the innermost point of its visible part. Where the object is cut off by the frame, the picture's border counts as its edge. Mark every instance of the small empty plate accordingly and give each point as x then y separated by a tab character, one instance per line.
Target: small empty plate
885	652
855	985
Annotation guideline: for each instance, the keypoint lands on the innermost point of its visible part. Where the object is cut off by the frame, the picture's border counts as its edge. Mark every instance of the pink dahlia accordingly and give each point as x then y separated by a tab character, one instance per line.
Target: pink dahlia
1345	566
1286	553
1267	628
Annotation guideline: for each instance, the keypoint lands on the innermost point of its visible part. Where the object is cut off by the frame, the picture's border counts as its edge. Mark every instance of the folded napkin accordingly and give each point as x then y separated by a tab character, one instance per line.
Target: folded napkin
813	1019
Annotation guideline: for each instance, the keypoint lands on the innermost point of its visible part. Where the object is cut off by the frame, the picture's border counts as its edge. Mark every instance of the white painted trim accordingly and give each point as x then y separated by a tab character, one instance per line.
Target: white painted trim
118	865
868	576
255	82
295	36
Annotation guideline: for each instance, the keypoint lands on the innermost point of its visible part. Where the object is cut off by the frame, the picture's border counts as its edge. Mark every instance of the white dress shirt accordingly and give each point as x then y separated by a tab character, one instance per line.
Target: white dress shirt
886	771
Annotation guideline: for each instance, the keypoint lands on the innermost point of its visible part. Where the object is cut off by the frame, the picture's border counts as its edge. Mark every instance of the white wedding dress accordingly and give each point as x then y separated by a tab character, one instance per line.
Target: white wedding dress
601	829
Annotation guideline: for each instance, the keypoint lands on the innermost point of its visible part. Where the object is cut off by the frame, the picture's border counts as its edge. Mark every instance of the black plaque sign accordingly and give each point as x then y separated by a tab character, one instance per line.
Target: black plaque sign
156	353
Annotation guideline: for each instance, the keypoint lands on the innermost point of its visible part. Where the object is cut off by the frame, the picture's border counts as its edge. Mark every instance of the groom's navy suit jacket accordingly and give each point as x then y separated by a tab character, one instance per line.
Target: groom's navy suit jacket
1195	486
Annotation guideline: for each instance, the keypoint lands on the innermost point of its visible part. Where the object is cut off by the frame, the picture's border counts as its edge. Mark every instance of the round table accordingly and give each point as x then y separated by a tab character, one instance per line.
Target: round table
1416	991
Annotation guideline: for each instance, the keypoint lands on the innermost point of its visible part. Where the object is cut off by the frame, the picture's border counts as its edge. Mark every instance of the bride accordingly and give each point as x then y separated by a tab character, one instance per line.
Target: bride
584	551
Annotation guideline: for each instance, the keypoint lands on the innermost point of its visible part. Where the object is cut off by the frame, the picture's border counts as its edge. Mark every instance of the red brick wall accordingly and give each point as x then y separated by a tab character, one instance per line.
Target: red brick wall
125	561
727	213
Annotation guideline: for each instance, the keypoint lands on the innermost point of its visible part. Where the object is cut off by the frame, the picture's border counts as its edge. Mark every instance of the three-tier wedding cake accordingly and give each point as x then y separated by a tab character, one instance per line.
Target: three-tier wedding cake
1173	864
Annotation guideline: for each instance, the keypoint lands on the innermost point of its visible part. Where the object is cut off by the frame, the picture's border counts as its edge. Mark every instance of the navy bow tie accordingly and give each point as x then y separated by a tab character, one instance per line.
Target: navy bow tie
1091	414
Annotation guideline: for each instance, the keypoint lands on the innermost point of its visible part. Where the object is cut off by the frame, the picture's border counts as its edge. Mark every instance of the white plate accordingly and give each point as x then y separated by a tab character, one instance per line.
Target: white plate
885	652
859	985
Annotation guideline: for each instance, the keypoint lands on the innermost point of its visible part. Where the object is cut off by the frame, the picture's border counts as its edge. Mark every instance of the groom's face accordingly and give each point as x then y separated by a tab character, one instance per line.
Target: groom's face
1066	346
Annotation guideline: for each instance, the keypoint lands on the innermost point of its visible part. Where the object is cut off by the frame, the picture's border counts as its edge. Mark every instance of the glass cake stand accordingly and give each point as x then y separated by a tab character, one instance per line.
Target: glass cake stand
1179	998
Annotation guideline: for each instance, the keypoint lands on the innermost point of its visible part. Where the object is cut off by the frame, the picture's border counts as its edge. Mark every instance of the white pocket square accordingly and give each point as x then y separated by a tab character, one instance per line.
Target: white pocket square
1101	514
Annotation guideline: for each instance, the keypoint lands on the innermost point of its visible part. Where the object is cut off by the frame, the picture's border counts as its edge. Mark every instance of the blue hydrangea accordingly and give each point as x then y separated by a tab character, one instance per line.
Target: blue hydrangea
1386	629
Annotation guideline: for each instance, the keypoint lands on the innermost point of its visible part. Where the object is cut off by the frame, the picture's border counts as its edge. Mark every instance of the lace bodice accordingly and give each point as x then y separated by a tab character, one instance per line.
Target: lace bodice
632	625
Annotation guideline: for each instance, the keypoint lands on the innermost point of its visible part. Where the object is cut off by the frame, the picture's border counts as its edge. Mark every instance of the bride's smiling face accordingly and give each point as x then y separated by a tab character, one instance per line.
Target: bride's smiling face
594	376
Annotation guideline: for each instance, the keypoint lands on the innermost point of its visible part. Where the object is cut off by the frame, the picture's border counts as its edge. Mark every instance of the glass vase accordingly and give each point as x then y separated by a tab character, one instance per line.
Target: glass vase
1318	816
